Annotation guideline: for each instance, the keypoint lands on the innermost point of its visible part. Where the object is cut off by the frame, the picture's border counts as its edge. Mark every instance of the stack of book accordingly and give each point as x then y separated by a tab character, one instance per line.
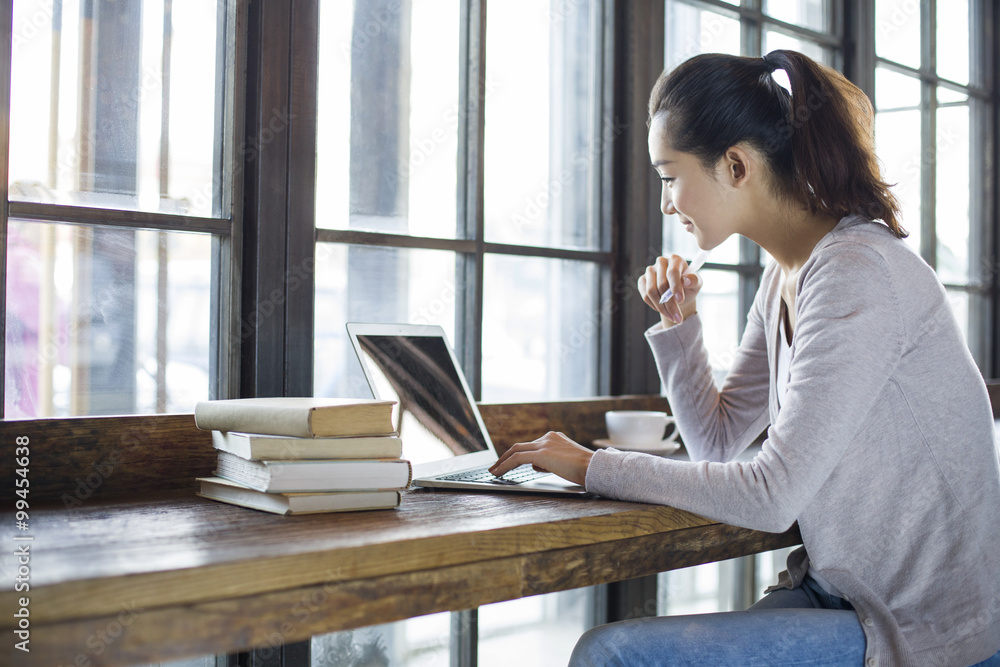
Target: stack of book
304	455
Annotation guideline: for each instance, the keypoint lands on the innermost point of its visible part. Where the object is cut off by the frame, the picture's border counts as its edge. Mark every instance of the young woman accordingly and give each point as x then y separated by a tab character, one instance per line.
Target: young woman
880	438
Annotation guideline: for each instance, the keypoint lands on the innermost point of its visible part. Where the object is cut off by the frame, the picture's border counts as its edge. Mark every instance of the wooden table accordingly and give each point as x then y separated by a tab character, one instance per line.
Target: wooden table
127	565
116	582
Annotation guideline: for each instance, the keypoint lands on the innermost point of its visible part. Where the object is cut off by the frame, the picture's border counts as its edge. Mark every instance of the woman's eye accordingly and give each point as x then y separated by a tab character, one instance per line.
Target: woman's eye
667	179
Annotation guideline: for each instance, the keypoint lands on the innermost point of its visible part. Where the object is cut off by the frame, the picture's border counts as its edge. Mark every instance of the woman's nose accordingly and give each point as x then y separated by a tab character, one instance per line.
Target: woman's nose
667	204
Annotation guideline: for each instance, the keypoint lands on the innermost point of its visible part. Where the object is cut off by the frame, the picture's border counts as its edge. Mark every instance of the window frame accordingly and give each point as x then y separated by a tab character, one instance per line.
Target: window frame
982	288
225	230
272	200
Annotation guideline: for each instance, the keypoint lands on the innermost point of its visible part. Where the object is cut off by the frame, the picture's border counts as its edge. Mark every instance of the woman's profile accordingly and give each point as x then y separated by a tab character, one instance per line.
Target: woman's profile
879	436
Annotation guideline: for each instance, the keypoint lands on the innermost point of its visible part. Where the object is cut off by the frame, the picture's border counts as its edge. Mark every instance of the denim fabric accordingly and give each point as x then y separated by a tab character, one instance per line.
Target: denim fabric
801	626
990	662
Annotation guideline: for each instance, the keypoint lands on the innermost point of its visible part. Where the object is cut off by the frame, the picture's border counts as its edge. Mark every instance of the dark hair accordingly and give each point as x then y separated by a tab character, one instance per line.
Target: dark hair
818	141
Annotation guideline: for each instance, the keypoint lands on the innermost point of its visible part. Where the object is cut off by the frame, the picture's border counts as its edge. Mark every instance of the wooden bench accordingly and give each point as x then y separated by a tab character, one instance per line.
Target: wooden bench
128	565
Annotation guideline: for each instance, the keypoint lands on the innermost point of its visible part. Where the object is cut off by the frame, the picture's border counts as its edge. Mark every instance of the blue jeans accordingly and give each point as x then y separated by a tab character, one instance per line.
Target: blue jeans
801	626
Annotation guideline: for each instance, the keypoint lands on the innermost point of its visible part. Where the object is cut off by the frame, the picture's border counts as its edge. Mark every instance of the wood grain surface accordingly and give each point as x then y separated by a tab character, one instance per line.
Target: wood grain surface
191	576
128	565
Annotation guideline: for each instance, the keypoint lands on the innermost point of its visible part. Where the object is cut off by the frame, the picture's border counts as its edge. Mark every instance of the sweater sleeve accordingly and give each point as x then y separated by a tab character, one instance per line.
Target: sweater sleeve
847	341
715	425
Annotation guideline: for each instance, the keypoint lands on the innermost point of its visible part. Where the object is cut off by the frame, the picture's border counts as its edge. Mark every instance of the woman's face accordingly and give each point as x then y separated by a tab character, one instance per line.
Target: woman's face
689	190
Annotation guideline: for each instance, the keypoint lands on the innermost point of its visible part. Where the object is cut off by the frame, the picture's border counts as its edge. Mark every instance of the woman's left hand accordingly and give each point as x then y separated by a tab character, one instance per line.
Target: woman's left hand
553	452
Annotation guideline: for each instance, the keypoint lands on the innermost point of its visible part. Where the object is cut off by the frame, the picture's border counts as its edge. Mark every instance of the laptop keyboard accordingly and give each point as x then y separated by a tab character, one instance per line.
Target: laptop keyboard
518	475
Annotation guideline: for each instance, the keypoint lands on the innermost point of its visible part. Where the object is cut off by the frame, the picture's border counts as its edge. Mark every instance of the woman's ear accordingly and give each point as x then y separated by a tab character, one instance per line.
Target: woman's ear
738	163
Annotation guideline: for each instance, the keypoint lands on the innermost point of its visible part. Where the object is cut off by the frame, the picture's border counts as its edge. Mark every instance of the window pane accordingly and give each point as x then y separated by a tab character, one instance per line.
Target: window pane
897	31
690	31
953	53
126	120
416	642
948	96
543	146
702	589
894	90
718	307
897	144
105	321
373	284
541	328
544	628
952	215
774	39
807	13
960	306
387	139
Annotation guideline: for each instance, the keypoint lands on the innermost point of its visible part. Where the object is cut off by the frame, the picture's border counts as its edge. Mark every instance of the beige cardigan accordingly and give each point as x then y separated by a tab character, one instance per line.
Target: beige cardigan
884	450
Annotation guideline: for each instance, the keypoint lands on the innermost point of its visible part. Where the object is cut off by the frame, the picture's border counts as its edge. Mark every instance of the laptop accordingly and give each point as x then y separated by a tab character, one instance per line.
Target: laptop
437	418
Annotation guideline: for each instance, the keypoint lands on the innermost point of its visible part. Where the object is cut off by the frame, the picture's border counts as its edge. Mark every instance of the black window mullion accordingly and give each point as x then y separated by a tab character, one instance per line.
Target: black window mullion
982	171
638	228
611	285
928	134
265	233
227	250
752	29
299	276
989	20
469	269
6	42
859	45
752	44
470	209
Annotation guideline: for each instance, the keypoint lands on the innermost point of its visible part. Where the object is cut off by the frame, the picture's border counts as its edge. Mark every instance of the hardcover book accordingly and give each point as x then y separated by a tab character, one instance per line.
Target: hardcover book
277	476
230	492
297	416
258	446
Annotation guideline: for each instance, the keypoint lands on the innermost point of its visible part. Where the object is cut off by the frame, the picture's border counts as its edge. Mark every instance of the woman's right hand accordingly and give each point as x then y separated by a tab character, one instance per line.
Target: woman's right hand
668	273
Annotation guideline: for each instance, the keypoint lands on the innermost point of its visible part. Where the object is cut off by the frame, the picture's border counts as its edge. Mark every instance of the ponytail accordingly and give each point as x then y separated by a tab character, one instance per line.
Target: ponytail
818	141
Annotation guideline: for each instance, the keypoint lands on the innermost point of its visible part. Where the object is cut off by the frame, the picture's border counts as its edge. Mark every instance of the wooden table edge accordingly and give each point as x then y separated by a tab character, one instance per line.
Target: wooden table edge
137	634
244	577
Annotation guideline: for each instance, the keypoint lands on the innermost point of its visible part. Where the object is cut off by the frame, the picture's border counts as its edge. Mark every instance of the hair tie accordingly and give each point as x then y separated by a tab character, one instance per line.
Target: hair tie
769	65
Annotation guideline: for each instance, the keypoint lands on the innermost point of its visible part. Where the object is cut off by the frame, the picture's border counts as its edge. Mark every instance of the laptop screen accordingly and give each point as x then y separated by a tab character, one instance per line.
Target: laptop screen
434	414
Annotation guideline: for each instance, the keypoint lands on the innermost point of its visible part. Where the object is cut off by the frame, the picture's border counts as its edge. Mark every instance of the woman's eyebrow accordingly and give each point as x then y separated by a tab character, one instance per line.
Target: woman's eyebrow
660	163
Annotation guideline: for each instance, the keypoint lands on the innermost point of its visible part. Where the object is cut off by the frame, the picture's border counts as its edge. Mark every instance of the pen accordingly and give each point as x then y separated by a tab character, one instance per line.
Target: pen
695	264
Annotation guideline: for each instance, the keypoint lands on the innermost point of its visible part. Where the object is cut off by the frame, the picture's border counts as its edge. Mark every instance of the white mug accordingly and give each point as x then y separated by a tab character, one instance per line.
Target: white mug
638	428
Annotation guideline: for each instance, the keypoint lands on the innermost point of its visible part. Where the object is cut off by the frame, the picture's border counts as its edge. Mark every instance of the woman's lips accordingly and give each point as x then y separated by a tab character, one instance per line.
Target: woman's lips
688	226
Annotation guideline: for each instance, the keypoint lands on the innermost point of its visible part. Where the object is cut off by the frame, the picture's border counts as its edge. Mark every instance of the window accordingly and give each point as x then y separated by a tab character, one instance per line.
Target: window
469	162
934	102
488	251
119	207
470	198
